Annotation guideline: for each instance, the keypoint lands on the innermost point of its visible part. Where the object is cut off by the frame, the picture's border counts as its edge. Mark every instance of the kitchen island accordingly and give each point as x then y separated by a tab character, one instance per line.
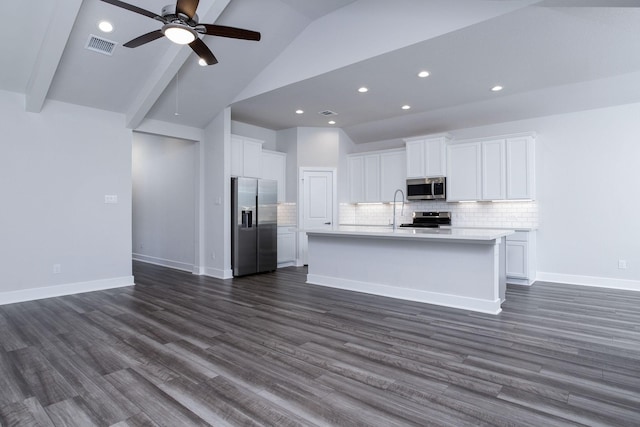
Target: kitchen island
457	267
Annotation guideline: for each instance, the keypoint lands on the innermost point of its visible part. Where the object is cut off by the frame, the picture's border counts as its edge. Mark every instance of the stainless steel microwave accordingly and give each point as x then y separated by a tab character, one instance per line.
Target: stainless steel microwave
427	188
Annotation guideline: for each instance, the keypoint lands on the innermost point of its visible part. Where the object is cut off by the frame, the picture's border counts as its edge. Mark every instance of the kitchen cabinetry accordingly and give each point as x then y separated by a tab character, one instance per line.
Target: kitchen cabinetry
374	177
520	166
464	166
246	157
521	260
393	174
286	246
426	156
274	166
494	175
492	169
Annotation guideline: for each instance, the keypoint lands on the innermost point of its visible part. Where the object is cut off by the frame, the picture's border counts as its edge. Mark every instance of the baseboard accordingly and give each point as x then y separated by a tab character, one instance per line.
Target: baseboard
286	264
163	262
32	294
453	301
218	273
600	282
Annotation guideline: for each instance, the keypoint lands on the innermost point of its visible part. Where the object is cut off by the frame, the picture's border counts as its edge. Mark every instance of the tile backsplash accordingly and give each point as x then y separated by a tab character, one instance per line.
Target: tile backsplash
481	214
287	214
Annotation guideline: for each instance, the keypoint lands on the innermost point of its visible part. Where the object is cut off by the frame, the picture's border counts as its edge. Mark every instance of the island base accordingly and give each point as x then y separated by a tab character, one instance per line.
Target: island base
461	274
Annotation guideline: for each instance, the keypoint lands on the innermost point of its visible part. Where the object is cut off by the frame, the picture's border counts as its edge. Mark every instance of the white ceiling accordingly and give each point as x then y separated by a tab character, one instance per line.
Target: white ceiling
315	54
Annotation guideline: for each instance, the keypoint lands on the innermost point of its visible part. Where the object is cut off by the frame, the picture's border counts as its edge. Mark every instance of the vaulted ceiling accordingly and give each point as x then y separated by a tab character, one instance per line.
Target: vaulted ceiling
551	56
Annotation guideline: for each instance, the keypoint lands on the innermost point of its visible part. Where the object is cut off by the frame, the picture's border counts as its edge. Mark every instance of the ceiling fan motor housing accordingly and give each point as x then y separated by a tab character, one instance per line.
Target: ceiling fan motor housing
170	15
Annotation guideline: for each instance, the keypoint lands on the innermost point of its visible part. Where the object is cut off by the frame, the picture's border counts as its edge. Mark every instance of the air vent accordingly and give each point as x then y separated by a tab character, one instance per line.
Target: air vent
327	113
100	45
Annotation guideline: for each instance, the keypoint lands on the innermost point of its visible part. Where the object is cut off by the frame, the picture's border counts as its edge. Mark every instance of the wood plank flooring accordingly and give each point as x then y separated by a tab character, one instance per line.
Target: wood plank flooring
183	350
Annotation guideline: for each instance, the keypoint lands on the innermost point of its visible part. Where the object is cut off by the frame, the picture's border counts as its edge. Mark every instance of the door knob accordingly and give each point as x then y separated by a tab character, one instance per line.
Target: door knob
327	223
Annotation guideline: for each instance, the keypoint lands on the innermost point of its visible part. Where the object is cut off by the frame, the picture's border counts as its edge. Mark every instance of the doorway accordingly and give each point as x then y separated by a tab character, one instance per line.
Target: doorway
318	207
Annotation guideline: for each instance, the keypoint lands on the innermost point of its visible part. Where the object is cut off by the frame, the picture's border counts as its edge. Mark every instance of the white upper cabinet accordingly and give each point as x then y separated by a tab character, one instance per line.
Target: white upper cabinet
464	167
426	156
356	178
520	164
492	169
374	177
246	157
494	186
274	166
393	174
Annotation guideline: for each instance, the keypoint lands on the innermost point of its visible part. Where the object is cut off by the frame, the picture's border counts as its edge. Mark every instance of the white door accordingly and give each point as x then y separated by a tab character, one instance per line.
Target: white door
317	204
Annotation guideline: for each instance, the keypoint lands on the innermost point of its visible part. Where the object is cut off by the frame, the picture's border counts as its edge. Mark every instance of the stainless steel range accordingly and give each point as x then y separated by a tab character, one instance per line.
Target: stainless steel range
429	219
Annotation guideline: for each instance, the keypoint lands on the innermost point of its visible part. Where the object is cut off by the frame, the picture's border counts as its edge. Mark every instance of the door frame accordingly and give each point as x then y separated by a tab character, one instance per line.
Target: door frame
301	234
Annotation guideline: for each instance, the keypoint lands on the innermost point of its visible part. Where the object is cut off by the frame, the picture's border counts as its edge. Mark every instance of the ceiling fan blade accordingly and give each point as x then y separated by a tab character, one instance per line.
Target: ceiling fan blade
145	38
187	7
232	32
132	8
203	51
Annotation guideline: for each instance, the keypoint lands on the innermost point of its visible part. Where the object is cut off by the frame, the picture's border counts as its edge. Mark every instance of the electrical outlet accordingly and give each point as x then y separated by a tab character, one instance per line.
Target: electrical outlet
622	264
111	198
57	269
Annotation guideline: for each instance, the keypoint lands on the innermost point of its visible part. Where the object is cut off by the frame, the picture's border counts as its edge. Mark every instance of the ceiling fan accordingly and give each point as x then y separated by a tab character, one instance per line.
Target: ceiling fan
181	26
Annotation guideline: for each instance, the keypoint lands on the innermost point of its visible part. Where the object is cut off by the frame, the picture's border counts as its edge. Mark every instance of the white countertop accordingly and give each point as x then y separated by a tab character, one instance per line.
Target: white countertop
479	234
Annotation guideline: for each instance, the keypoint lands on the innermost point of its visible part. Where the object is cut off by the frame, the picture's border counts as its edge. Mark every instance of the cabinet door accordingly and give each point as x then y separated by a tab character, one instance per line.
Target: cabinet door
372	178
464	166
393	174
274	166
493	170
286	247
237	156
415	159
517	259
356	179
252	159
435	157
520	168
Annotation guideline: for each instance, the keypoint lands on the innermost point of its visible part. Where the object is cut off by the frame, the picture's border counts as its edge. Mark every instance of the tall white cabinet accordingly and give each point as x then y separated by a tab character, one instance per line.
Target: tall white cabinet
426	156
375	176
274	166
491	169
246	157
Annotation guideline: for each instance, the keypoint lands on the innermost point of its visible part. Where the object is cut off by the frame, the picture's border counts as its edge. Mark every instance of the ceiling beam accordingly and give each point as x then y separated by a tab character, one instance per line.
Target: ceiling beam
64	16
165	71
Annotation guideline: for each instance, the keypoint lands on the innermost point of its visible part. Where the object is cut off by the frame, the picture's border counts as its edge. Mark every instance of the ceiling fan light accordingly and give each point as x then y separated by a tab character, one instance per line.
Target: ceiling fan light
179	34
202	62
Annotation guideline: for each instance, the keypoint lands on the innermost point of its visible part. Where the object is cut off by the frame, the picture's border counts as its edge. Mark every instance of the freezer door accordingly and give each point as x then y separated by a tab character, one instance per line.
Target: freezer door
244	230
267	225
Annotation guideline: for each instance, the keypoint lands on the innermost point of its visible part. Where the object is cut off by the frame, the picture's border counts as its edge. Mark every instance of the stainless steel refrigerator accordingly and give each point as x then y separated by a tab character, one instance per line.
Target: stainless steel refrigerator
254	225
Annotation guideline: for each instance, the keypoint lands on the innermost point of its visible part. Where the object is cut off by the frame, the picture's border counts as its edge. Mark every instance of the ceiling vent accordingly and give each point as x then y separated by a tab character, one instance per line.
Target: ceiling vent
100	45
327	113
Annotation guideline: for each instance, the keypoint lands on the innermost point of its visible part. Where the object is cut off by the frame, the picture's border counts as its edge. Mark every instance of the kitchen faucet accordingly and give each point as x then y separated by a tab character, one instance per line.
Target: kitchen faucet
395	226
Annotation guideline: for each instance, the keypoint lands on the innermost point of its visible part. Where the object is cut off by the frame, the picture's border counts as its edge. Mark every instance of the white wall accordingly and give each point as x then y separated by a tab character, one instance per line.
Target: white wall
164	206
318	147
217	196
55	169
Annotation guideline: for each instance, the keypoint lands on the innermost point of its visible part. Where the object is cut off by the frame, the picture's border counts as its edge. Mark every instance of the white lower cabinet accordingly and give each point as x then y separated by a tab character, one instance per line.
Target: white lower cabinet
286	246
521	260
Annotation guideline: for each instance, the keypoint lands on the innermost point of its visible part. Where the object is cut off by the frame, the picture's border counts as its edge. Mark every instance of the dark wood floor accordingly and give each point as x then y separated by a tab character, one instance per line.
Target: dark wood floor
179	350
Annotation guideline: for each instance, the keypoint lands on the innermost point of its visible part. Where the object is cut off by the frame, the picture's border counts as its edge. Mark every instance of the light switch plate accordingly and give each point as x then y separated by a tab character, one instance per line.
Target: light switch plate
111	198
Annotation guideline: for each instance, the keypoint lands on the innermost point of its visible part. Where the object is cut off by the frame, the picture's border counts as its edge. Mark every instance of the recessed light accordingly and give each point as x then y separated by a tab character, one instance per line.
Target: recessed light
423	74
105	26
363	89
406	107
497	88
202	62
332	122
299	111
